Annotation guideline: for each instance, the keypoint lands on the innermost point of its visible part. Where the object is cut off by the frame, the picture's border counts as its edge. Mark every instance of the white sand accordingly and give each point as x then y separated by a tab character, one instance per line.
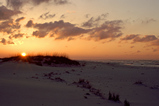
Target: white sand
23	84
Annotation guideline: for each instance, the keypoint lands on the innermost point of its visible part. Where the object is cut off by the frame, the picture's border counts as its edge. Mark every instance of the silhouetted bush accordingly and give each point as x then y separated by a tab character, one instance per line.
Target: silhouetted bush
110	96
139	83
126	103
83	83
58	79
113	97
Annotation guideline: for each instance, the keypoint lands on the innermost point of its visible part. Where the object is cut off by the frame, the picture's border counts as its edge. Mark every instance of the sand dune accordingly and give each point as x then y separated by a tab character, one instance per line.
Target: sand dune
24	84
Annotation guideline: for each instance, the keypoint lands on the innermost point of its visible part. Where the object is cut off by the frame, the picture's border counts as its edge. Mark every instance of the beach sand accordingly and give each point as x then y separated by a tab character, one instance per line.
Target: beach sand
24	84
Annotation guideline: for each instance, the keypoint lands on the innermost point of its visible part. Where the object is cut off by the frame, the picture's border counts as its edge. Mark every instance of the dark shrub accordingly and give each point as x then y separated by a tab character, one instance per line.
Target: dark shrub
113	97
126	103
138	82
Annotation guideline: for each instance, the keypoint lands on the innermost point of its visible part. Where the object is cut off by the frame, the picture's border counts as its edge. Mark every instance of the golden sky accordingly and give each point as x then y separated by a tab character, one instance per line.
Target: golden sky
82	29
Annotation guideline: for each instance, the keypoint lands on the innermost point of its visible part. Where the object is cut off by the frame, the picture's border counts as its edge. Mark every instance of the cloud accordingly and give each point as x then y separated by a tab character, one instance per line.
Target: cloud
9	26
61	2
109	29
47	16
155	43
6	14
71	39
89	23
132	46
87	15
19	35
130	37
18	4
154	50
4	41
30	24
40	34
19	19
138	51
92	22
146	38
59	28
66	30
62	16
37	2
151	39
138	38
148	21
70	32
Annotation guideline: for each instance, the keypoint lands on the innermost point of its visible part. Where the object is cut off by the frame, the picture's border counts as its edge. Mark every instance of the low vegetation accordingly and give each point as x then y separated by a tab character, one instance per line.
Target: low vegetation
126	103
113	97
43	60
85	84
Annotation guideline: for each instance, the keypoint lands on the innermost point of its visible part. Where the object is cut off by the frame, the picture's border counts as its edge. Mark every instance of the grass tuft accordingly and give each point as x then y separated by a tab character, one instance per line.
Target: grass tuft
126	103
113	97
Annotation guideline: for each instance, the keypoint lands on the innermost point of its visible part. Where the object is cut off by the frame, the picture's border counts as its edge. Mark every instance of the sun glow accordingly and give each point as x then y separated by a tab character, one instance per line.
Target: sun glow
23	54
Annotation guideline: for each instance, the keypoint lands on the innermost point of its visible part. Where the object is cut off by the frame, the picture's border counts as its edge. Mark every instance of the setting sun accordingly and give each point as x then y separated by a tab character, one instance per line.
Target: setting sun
23	54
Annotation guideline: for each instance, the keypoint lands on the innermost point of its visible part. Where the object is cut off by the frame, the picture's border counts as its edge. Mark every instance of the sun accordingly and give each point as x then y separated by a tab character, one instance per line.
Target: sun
23	54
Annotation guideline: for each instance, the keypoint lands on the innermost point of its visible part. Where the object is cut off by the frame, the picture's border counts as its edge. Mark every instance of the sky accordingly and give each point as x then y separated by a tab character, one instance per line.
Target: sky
81	29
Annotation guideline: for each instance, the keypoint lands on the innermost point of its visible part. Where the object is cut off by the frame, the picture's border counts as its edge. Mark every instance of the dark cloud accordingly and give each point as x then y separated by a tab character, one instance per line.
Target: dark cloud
9	26
146	38
19	19
138	38
18	4
40	34
92	22
155	43
70	31
151	39
87	15
30	24
19	35
109	29
59	28
132	47
148	21
71	39
58	2
37	2
89	23
47	16
62	16
61	2
130	37
66	30
4	41
154	49
6	14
